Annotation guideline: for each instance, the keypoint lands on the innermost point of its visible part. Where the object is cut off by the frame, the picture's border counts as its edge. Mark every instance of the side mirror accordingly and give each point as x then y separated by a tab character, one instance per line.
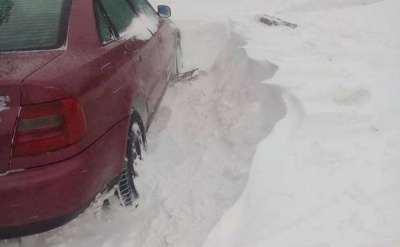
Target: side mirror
164	11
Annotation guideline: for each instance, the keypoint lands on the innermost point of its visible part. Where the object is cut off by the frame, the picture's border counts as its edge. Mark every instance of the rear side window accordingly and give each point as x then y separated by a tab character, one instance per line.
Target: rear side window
33	24
102	25
119	12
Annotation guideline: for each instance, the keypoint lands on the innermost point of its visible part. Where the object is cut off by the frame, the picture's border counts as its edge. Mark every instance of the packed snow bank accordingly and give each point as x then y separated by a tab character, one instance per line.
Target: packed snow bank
328	175
205	137
260	205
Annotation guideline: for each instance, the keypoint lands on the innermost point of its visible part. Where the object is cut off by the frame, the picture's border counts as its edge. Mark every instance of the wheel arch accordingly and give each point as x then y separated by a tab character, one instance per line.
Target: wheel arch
139	104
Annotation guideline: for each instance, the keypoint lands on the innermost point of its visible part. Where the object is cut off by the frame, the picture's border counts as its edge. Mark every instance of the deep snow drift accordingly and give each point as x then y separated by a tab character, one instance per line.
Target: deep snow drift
289	137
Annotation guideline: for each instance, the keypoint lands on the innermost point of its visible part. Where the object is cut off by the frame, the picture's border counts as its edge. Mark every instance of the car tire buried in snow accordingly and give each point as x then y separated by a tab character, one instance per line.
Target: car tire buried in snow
136	144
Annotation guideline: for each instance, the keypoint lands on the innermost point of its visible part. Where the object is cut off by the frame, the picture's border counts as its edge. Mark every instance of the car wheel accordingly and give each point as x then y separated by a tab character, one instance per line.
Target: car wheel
136	143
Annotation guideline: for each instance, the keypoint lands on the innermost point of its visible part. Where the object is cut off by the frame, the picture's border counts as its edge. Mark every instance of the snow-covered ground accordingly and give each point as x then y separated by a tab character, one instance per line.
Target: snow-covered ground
289	137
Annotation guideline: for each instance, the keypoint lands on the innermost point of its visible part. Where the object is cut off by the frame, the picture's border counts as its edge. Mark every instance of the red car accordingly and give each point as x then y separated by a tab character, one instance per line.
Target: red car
80	81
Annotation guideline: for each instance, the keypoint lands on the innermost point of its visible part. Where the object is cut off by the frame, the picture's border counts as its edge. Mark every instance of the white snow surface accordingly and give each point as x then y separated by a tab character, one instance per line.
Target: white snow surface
289	137
141	27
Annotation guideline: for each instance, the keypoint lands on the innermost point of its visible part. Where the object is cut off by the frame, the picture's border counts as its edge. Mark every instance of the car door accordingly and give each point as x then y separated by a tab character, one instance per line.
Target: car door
140	42
168	46
147	63
151	21
107	101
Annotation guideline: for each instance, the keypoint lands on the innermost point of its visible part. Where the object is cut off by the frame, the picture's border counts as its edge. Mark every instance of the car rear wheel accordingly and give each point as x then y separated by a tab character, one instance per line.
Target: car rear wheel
136	144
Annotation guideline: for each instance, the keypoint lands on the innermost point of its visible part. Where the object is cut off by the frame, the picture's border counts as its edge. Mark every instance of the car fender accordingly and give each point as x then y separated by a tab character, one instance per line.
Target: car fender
139	104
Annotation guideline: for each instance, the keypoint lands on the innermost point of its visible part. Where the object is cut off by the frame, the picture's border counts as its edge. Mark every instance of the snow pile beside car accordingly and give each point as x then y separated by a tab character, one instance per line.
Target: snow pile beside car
328	175
199	158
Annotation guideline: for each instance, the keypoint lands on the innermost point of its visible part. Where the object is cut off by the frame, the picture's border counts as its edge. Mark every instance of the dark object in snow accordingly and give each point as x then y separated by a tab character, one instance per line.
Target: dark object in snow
106	203
273	21
188	75
136	144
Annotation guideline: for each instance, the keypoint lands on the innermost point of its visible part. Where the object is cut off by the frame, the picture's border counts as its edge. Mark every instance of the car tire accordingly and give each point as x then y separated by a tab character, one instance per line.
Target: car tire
136	144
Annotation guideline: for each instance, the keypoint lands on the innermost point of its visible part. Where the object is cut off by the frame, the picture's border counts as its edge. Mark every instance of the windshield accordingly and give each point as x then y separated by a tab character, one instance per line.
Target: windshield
33	24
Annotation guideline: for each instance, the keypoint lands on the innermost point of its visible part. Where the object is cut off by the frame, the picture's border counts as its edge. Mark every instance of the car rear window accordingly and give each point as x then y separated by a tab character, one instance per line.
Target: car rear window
33	24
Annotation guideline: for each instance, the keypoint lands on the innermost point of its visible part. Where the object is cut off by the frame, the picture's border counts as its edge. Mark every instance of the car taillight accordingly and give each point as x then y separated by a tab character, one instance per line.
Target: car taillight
48	127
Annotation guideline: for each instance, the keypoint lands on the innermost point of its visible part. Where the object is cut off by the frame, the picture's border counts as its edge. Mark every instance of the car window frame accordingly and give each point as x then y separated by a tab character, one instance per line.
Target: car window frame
111	27
151	7
156	14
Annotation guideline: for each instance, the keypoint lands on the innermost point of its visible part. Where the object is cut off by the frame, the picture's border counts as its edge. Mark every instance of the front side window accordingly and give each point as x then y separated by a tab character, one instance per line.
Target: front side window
127	18
148	16
33	24
144	7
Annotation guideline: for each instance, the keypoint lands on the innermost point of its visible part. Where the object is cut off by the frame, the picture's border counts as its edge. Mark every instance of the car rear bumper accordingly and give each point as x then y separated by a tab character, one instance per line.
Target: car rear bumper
41	226
40	199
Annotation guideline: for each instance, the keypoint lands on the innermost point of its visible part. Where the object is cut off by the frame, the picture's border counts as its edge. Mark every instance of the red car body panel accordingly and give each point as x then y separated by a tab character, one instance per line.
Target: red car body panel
13	69
108	81
51	191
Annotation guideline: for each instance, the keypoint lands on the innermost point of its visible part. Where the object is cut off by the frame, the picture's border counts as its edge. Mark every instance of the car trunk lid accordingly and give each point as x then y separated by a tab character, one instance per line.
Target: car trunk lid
14	68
